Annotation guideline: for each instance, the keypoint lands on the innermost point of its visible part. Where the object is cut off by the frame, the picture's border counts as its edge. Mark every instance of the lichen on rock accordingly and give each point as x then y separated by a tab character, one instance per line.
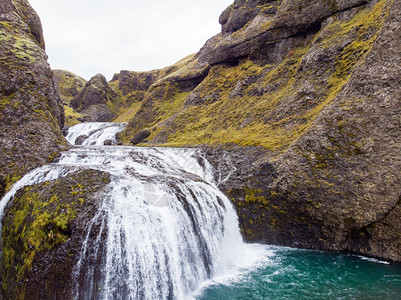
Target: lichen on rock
69	86
43	230
310	89
31	111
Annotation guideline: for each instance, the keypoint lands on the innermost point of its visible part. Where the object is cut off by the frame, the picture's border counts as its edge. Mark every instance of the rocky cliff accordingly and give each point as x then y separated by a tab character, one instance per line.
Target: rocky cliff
30	108
44	229
300	98
69	86
307	97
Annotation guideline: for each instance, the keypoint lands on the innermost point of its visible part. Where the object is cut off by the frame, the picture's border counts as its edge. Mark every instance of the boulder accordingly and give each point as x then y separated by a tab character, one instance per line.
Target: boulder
140	136
80	139
55	215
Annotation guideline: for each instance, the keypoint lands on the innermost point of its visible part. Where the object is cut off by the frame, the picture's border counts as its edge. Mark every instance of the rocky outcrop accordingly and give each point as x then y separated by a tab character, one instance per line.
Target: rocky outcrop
337	186
302	101
69	86
44	228
307	95
92	100
31	111
140	136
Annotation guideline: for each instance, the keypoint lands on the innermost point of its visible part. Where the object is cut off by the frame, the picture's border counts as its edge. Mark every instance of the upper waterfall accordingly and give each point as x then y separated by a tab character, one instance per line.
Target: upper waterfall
165	228
94	133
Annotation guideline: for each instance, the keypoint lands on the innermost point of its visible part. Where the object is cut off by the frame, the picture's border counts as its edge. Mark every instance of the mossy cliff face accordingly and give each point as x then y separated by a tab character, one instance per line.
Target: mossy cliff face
69	86
308	95
43	231
94	100
117	100
30	108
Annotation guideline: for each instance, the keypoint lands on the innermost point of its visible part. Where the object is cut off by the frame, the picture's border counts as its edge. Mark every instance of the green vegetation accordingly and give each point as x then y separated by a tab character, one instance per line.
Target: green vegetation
39	219
69	84
71	116
269	106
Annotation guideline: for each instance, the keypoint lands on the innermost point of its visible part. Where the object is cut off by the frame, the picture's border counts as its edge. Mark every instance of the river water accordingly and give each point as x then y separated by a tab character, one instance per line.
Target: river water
171	234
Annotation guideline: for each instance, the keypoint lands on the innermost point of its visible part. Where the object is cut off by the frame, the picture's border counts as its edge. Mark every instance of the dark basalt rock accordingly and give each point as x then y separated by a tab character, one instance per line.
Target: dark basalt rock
140	136
337	187
92	100
241	12
42	246
108	142
65	130
80	139
129	81
31	111
249	26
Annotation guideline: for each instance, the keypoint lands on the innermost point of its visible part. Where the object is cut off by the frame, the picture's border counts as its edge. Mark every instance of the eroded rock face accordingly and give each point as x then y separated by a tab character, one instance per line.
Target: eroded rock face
308	97
337	187
69	86
93	98
258	28
241	12
129	81
31	111
44	228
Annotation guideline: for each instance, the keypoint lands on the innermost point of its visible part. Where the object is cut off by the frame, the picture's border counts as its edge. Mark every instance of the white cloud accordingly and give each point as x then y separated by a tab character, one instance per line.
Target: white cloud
97	36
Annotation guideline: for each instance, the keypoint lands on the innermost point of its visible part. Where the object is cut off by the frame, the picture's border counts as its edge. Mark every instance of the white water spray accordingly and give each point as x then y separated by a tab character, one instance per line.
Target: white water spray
165	228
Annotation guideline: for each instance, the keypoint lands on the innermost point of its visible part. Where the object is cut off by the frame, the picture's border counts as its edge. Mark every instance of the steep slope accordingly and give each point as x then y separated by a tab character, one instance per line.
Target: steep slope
43	233
117	100
311	93
69	86
30	108
93	101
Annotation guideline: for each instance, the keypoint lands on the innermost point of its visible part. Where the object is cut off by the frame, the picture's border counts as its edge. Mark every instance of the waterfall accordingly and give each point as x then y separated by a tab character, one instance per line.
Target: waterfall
94	133
165	228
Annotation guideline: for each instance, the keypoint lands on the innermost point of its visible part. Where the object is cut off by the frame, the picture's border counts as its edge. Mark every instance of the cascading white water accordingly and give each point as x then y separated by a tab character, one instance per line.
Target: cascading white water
96	132
165	227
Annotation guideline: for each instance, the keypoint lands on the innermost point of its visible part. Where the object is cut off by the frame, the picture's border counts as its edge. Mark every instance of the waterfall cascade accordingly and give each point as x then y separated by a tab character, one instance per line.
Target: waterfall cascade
165	227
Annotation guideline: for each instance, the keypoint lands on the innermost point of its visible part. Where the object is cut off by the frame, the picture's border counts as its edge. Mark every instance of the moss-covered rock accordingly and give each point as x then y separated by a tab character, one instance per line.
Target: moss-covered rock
43	230
307	95
31	111
94	100
69	86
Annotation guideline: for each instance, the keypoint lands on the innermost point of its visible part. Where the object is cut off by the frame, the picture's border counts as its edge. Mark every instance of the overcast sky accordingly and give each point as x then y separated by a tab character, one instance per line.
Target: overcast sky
98	36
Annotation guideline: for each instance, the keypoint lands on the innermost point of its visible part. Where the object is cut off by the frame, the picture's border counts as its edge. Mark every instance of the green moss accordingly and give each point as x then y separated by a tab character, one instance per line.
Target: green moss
71	116
254	196
127	113
276	119
38	220
69	84
25	49
36	226
9	181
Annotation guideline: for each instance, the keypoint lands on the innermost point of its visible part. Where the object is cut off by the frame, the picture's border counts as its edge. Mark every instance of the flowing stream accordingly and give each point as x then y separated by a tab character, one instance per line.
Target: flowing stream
165	225
167	232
